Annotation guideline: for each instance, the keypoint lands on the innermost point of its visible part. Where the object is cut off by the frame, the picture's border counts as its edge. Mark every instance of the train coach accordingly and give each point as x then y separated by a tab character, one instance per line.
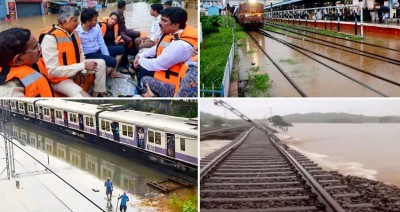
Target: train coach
167	139
250	15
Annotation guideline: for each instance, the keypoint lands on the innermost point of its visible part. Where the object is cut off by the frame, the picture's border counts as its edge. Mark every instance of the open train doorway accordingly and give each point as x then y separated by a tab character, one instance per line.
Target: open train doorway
81	125
140	137
171	145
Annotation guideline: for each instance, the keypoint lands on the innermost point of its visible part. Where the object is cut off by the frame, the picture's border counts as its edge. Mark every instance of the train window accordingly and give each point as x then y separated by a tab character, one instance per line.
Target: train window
182	144
12	104
72	117
103	125
158	138
46	111
30	108
107	125
91	123
151	136
58	114
21	106
130	131
124	130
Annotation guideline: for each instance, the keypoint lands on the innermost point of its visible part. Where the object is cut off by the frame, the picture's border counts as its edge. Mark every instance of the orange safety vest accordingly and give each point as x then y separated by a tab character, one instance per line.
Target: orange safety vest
35	84
68	49
178	71
103	26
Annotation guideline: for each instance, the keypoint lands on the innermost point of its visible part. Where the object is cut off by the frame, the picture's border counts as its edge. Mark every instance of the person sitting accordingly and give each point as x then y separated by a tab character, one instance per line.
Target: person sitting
129	35
63	55
113	40
187	86
166	60
155	32
20	66
93	43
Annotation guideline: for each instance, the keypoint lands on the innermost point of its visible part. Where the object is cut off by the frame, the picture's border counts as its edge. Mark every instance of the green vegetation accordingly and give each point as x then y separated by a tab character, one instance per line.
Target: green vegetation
257	83
217	34
187	204
288	61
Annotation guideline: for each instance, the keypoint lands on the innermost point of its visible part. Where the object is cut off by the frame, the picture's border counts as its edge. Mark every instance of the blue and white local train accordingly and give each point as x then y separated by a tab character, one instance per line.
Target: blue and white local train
166	139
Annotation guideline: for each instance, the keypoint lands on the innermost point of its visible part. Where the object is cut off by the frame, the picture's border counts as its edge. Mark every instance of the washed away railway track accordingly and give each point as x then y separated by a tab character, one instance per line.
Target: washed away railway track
258	173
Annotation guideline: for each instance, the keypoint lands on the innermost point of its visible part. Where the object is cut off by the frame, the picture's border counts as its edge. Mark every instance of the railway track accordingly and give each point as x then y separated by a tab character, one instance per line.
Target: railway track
347	46
259	174
309	30
368	83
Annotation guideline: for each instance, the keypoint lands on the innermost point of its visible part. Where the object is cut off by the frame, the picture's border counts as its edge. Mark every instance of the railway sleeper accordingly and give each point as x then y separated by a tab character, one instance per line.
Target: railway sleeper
253	184
254	169
254	199
254	163
252	173
253	190
280	209
343	195
252	178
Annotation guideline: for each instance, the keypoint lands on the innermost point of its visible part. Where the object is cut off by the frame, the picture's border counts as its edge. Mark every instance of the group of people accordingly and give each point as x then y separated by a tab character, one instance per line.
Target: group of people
124	198
69	59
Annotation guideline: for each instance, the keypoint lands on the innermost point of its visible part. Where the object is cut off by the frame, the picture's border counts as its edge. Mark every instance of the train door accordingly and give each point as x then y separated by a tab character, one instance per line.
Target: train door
41	112
115	130
140	136
52	116
66	118
81	124
171	145
26	109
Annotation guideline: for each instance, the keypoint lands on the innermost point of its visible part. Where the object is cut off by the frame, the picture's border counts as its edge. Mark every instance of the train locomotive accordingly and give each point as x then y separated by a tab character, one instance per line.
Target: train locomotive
250	15
166	139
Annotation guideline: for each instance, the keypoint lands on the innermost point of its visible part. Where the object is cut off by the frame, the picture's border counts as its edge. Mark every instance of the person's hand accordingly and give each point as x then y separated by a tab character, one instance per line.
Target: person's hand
195	51
91	65
149	92
136	62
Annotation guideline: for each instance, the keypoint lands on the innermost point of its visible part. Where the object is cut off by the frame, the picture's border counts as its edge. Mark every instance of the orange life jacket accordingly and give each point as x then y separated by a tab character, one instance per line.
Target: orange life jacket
178	71
103	27
35	84
68	49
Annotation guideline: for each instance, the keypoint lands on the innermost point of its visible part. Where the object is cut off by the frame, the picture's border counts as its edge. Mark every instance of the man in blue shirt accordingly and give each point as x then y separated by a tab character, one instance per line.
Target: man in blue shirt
109	188
93	42
124	198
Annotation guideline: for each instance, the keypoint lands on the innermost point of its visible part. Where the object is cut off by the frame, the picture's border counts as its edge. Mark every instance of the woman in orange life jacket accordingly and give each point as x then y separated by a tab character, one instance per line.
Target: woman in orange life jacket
20	66
112	38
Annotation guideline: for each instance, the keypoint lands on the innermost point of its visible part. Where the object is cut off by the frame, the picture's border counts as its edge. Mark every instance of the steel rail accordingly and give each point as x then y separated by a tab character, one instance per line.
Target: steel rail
206	169
296	48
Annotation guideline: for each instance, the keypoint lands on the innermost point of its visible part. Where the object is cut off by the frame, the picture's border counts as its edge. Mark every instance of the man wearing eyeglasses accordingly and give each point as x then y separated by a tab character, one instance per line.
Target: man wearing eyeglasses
19	67
64	58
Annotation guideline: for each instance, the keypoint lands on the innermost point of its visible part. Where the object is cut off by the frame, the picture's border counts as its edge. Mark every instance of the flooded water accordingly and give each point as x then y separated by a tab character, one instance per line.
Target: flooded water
366	150
137	16
314	78
84	167
209	146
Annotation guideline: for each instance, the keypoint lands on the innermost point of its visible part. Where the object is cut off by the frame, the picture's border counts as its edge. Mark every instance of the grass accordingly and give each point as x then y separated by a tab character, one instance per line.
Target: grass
187	204
214	54
257	83
328	32
288	61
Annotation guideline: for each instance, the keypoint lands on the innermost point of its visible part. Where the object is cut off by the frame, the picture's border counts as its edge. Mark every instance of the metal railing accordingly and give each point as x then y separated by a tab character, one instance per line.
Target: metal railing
322	14
223	91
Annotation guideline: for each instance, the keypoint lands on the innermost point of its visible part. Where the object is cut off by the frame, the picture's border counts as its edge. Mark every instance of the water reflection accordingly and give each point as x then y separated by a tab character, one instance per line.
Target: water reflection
128	175
137	16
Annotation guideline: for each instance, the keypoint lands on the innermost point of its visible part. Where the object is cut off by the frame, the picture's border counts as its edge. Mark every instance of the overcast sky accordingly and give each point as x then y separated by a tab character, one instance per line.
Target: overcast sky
261	108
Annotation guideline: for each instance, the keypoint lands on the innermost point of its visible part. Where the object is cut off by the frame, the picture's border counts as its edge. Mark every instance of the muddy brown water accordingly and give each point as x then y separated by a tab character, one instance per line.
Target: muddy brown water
316	79
83	166
137	16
